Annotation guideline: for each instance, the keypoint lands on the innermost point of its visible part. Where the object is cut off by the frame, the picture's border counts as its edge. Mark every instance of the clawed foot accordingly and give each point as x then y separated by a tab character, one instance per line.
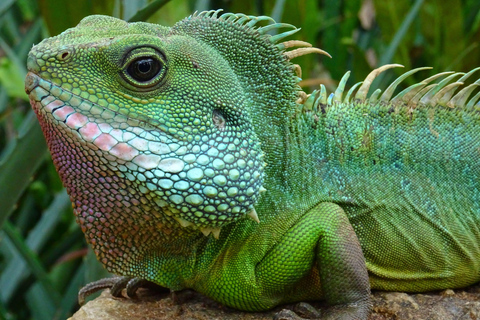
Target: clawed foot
116	285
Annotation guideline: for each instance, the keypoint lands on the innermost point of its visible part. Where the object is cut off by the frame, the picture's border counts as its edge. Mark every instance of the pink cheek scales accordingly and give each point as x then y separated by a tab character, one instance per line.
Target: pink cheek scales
62	113
76	121
54	104
105	142
90	131
124	151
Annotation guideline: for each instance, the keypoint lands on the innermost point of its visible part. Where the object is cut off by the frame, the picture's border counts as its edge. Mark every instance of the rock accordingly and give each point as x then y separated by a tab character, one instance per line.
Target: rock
442	305
150	305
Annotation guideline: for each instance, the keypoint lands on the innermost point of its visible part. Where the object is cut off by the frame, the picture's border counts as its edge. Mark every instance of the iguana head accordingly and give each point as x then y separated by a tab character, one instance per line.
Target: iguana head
161	110
176	114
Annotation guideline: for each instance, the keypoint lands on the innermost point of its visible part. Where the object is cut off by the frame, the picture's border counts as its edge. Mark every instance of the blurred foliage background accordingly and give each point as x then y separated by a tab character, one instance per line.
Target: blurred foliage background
43	256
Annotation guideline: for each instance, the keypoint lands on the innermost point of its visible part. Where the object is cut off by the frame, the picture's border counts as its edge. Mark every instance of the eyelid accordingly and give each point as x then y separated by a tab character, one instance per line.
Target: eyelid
142	52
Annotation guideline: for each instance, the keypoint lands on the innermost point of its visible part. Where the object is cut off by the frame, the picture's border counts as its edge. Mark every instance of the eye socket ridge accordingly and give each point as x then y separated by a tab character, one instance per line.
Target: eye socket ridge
144	67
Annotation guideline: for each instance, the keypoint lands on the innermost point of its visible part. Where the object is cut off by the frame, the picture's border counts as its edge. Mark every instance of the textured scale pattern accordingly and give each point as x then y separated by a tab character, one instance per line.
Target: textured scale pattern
167	138
423	150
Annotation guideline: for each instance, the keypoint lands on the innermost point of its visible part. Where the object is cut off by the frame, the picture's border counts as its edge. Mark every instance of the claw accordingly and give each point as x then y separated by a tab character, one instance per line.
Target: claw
115	284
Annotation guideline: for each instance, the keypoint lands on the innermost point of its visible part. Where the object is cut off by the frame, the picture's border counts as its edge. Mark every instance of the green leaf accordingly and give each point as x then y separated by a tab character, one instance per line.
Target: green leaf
400	34
387	56
40	303
3	312
24	156
70	296
11	78
60	15
17	268
32	260
5	5
148	11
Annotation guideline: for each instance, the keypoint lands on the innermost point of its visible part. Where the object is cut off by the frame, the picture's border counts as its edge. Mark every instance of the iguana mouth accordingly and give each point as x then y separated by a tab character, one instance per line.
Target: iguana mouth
84	106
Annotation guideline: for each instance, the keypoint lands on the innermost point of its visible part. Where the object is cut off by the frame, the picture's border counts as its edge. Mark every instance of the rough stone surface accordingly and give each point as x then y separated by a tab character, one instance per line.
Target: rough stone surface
444	305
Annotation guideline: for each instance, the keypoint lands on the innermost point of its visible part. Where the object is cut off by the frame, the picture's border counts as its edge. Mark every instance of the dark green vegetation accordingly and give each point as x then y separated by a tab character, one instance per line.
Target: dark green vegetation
41	248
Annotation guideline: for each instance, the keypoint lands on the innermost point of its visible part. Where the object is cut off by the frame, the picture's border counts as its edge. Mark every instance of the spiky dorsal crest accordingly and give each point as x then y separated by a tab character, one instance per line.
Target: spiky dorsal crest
444	93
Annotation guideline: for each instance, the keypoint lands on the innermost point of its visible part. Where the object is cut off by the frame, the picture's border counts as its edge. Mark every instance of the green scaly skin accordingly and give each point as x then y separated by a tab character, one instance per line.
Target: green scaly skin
167	138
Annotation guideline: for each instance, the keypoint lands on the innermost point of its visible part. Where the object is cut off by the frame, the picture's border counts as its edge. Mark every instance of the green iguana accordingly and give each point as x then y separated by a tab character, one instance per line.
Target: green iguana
168	138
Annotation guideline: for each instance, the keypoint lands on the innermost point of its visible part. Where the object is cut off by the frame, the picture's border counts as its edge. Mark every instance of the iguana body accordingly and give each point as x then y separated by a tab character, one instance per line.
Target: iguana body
166	138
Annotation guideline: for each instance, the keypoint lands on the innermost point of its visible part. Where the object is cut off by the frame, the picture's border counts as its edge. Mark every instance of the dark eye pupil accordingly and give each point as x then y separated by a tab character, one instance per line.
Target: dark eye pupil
144	66
144	69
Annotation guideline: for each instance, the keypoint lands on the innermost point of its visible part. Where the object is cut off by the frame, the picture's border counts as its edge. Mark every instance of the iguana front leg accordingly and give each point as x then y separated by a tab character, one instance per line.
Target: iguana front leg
322	238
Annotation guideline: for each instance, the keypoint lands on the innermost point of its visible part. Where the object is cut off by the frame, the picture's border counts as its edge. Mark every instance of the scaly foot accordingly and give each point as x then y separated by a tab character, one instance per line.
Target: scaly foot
116	286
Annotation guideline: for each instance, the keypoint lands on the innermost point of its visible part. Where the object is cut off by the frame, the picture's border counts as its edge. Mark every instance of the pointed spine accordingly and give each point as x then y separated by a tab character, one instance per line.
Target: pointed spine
330	99
434	101
350	92
460	98
471	103
467	75
449	93
298	70
214	231
414	101
292	44
280	36
409	93
303	51
374	97
363	90
255	20
215	14
387	94
405	95
253	215
242	20
341	87
308	104
323	94
264	30
426	99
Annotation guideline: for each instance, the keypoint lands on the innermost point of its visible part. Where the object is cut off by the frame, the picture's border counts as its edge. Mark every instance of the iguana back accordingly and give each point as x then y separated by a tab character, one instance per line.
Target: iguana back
407	176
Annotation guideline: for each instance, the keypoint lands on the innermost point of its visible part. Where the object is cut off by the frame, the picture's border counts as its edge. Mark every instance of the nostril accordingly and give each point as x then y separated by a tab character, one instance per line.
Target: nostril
64	54
31	82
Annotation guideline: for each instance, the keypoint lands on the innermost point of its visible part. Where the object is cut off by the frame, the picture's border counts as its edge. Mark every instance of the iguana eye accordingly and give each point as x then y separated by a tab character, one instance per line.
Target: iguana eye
144	69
